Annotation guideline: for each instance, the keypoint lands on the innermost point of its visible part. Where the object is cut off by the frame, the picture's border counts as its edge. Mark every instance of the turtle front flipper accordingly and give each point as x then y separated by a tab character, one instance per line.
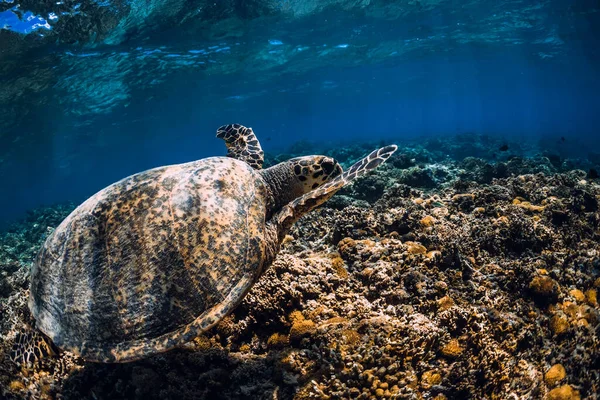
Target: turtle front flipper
242	144
30	347
311	200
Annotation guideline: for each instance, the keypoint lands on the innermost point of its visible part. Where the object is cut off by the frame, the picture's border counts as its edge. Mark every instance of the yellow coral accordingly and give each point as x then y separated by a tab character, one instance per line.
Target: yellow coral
302	328
16	386
543	286
592	297
564	392
570	309
445	303
555	374
245	348
559	324
202	342
582	322
415	248
577	294
430	378
530	207
277	340
427	221
350	336
433	254
296	316
338	265
452	349
315	313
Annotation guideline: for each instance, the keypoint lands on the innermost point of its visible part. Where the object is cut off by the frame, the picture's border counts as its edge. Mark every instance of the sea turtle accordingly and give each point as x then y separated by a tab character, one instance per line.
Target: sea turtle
153	260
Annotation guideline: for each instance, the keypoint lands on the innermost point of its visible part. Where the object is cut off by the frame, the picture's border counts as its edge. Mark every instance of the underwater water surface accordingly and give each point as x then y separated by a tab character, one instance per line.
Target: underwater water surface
465	267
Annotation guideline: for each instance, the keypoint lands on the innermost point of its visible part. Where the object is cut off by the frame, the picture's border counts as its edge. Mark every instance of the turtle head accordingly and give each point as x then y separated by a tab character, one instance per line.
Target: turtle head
298	191
293	178
313	171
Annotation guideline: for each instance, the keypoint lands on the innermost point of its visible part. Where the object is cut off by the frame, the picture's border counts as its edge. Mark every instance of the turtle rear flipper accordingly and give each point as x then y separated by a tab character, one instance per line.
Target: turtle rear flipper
30	347
242	144
311	200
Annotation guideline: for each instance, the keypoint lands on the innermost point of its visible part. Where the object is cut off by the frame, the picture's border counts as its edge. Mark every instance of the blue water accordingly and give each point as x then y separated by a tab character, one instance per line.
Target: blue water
91	92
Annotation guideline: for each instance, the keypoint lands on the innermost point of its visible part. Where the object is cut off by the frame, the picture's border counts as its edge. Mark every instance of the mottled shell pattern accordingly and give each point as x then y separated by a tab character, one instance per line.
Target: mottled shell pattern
152	260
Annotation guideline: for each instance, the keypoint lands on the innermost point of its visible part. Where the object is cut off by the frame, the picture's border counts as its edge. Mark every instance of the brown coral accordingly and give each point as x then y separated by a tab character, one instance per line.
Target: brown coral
565	392
555	374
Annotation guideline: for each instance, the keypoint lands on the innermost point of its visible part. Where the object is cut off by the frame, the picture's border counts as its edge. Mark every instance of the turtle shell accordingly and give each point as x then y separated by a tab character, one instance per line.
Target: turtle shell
151	261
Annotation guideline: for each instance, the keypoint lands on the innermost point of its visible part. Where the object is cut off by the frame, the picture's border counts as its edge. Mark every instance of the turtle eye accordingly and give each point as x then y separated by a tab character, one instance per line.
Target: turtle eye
328	165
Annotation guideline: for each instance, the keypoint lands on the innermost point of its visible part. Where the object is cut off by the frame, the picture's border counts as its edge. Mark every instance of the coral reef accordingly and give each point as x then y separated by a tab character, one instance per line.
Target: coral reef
431	278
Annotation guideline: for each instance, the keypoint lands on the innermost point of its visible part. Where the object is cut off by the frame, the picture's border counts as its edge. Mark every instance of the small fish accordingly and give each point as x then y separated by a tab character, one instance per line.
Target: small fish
562	138
593	174
504	147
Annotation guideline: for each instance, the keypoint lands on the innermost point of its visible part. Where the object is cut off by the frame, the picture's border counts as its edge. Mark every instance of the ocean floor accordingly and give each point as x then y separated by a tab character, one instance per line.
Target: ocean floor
436	277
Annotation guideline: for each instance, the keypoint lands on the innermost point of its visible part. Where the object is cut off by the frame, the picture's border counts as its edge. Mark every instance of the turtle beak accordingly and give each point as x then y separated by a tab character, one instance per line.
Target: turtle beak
331	167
